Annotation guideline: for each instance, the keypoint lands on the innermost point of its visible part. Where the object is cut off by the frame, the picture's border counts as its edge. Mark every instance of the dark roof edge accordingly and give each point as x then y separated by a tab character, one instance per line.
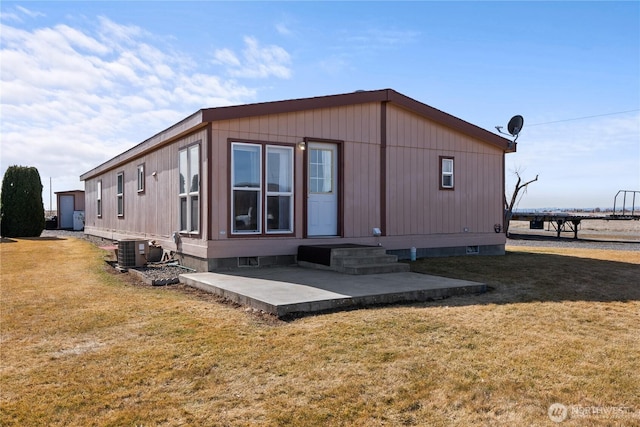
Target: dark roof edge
292	105
359	97
448	120
186	125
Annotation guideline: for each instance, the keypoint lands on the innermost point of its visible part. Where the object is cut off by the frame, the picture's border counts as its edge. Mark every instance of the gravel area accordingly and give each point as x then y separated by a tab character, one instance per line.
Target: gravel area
159	275
152	274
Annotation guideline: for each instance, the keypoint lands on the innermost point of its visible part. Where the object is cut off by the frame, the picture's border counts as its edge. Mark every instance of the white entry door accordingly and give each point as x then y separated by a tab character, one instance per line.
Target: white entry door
322	185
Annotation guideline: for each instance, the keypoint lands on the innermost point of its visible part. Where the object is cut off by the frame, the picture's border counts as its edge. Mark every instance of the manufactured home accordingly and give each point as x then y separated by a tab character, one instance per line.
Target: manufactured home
249	184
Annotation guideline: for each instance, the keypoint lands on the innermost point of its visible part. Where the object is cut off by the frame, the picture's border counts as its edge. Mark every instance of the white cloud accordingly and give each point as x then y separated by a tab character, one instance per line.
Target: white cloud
257	61
226	57
283	29
119	35
28	12
74	97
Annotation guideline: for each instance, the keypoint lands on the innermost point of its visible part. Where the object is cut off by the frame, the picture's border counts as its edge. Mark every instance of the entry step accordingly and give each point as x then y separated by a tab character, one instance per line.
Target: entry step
350	259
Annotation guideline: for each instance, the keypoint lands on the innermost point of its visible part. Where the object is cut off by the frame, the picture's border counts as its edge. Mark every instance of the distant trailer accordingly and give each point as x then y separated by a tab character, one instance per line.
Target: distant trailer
566	222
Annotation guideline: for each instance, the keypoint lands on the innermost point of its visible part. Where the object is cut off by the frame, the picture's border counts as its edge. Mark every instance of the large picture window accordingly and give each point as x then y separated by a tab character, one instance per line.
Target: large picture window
120	194
189	189
261	184
446	173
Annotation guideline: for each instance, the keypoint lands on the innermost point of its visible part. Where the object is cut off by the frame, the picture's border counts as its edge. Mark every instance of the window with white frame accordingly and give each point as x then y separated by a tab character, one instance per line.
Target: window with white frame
254	190
279	195
446	173
189	189
246	169
120	194
99	199
141	178
320	171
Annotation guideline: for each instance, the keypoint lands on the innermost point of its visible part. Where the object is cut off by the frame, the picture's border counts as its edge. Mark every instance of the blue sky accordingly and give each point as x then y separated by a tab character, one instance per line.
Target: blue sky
84	81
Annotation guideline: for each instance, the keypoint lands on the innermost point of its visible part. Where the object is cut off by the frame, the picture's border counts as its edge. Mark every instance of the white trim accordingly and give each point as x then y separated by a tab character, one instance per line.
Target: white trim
447	173
120	194
140	178
250	212
284	168
186	178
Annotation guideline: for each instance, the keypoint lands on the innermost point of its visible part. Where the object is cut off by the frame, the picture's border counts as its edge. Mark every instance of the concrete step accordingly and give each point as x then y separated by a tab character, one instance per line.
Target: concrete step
394	267
350	259
361	251
347	261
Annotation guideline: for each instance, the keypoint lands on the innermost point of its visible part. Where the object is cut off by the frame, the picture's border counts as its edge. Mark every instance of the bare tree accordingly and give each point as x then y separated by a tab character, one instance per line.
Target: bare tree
508	206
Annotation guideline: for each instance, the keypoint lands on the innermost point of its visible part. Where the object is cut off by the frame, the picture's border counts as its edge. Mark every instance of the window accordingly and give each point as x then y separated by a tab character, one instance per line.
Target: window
99	199
120	194
189	189
446	173
246	187
254	190
321	171
141	178
279	189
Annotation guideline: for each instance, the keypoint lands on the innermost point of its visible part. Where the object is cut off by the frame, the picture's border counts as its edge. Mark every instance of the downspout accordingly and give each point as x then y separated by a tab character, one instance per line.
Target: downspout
383	168
504	191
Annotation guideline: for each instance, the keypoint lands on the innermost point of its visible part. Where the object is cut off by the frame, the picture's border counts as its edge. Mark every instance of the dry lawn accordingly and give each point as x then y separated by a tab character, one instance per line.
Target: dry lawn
82	346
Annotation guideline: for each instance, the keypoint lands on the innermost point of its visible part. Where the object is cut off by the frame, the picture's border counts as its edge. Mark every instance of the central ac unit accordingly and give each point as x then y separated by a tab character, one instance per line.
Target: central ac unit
132	253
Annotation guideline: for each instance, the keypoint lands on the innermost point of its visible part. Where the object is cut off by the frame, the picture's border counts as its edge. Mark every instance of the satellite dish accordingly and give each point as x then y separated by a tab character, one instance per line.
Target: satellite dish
515	125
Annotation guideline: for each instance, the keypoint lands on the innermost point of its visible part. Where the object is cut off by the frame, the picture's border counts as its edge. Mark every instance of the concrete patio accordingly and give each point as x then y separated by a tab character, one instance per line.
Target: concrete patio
287	291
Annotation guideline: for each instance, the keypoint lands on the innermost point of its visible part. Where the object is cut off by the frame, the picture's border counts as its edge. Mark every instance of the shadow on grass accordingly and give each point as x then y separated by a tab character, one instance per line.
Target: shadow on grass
529	277
43	238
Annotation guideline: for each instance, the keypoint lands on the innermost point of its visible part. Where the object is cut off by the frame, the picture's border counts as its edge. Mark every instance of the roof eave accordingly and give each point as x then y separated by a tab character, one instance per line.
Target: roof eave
186	125
450	121
203	116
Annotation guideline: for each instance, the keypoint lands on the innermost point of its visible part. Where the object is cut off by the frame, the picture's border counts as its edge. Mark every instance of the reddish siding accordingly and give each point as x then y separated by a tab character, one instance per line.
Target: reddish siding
416	204
352	124
417	212
153	213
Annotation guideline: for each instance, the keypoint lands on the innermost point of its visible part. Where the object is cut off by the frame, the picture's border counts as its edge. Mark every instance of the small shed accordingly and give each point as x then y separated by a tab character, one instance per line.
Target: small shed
70	202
